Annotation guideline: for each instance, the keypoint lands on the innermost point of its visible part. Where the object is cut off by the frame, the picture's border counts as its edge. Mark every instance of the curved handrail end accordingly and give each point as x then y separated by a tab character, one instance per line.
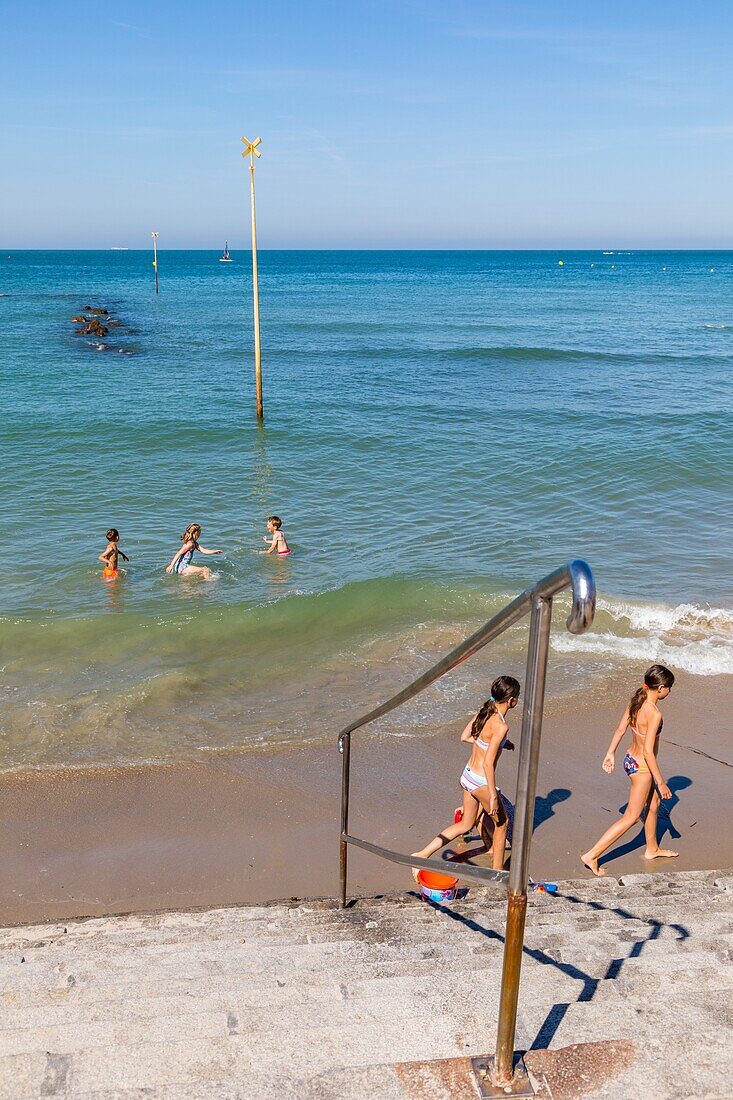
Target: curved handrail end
584	597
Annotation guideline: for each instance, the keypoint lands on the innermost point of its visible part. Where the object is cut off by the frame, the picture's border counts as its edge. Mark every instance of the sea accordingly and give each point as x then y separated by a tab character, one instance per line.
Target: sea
441	430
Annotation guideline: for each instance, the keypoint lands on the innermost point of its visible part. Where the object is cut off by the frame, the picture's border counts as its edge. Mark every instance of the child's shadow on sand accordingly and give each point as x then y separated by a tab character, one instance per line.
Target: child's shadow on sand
544	805
664	821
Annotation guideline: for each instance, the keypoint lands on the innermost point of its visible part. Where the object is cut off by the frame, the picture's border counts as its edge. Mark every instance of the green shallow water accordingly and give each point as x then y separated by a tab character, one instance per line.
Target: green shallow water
442	428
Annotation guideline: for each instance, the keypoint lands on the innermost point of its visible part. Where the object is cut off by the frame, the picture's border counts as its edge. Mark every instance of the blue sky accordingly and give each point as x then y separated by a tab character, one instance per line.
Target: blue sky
390	123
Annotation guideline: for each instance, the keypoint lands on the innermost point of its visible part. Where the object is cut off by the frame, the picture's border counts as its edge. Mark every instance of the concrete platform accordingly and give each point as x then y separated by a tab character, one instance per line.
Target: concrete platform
388	999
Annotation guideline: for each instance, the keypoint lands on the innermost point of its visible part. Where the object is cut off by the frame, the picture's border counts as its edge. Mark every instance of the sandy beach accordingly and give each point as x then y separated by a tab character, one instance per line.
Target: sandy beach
261	825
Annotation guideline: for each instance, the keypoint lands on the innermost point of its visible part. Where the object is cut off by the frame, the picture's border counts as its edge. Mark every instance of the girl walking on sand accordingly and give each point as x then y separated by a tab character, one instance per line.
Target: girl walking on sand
643	719
181	561
486	733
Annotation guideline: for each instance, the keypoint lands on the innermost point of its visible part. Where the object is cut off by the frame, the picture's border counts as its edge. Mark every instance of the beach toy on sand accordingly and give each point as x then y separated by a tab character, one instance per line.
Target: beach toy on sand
544	887
109	573
436	887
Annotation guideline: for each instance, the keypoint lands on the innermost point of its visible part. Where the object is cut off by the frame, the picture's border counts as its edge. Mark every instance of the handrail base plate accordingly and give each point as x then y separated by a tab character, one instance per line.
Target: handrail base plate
520	1087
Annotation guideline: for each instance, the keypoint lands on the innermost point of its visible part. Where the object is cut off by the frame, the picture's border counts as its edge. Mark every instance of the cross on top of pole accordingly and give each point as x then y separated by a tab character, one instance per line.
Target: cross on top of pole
250	147
154	235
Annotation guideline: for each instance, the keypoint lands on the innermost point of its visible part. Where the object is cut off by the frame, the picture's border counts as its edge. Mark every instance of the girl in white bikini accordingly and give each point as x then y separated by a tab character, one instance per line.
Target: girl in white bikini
643	719
486	732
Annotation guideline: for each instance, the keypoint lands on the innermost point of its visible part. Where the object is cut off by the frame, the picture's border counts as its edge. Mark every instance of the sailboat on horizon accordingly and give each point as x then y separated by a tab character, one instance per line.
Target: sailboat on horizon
225	258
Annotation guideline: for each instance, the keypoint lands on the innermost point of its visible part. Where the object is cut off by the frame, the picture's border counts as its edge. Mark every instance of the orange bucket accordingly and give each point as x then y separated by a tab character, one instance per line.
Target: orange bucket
437	887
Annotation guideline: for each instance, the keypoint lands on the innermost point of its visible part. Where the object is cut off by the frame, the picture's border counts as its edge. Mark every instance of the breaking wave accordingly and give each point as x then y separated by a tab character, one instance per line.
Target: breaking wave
689	638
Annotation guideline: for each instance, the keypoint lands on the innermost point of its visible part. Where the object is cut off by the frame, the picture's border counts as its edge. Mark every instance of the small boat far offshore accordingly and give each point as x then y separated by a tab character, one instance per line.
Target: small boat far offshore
225	258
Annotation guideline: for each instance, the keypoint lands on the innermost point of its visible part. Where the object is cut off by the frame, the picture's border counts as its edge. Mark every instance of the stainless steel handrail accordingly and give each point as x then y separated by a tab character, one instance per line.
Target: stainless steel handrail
537	601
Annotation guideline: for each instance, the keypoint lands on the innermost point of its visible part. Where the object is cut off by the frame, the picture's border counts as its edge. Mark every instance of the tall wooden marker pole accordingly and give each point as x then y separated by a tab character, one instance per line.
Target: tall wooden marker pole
155	258
251	151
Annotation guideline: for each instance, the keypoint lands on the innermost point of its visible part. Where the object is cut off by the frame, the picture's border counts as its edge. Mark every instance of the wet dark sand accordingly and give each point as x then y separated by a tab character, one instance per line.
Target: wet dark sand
259	826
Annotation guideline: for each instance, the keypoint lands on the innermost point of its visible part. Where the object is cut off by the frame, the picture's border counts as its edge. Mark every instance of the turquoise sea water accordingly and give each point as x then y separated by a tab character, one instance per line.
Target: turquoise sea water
441	429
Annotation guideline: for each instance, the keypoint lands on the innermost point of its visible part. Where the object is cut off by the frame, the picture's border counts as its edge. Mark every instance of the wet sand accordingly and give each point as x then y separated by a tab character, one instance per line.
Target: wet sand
258	825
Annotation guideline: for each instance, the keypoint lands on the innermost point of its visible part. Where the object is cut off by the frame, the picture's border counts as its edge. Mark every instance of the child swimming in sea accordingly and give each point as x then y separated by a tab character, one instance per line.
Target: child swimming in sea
181	562
110	556
278	543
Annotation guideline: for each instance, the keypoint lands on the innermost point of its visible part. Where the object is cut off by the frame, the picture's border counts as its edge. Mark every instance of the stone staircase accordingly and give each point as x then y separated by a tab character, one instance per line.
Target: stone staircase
303	1000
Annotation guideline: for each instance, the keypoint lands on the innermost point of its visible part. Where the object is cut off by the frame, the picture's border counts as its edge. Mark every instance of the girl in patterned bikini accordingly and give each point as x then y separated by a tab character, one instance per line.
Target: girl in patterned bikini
486	732
644	720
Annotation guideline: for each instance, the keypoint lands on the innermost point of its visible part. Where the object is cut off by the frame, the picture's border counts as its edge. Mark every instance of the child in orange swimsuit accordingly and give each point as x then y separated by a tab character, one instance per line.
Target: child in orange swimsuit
643	719
110	556
278	544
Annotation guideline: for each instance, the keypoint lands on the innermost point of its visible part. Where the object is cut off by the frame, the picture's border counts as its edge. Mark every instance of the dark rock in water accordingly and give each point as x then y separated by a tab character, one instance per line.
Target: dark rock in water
94	328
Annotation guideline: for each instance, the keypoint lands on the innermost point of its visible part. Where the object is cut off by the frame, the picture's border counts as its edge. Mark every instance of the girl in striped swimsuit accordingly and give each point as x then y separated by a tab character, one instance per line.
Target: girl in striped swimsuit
486	732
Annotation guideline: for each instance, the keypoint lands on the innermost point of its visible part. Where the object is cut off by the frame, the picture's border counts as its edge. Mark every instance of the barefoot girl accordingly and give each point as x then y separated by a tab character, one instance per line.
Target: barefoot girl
110	556
643	718
181	562
486	732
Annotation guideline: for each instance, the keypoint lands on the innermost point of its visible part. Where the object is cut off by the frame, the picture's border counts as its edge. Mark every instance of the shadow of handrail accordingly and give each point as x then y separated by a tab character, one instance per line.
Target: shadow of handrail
590	984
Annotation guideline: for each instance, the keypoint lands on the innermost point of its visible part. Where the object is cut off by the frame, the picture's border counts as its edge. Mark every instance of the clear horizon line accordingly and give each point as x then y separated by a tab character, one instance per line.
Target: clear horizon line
341	248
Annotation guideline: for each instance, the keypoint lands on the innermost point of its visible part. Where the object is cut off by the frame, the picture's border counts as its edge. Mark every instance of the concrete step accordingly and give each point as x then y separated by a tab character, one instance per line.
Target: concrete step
323	962
50	969
418	981
236	1058
340	999
275	918
54	962
426	922
366	1007
287	1001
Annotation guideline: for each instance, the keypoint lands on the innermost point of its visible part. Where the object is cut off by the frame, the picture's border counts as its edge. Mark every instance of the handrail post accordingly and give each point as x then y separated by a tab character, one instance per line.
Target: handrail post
529	754
506	1080
345	749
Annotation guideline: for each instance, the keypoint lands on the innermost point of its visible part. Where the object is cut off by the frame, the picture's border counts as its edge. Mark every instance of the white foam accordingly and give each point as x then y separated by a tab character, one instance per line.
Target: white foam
684	618
698	658
693	639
